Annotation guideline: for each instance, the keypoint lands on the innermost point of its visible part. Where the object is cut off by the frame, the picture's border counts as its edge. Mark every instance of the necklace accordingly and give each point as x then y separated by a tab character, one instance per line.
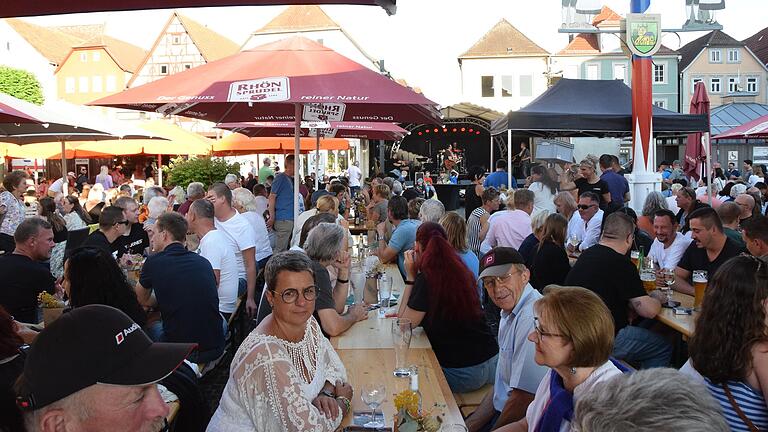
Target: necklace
303	354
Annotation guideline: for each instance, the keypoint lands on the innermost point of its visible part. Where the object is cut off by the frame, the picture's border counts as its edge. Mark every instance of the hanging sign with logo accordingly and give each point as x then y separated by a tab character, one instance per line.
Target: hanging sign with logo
643	34
275	89
325	112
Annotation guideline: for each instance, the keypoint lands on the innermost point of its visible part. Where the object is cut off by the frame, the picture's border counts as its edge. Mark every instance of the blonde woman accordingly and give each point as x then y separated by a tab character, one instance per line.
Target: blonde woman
588	182
245	203
104	179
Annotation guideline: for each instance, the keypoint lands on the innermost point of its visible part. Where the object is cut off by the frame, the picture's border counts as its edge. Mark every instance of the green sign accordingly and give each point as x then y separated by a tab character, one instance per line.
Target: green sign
643	34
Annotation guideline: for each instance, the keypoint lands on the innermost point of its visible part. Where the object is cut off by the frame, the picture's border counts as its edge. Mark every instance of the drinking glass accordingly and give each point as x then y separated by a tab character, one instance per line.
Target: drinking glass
373	395
669	279
385	292
357	278
401	340
648	277
573	240
699	287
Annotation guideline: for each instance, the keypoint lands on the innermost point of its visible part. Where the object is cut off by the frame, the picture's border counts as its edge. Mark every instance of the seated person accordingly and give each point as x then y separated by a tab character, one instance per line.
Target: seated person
112	225
550	264
670	244
402	237
285	376
589	219
185	292
135	241
23	274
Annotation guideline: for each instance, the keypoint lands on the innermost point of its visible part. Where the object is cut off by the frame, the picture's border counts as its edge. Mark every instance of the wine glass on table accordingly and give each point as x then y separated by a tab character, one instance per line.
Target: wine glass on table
373	395
669	280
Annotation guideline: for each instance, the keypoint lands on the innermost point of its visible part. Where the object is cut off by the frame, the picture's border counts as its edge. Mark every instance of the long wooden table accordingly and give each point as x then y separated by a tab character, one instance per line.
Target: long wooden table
684	324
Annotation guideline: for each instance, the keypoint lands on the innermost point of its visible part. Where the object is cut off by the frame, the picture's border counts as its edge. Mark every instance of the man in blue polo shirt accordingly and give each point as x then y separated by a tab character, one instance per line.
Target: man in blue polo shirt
185	292
499	178
281	206
402	237
505	278
618	186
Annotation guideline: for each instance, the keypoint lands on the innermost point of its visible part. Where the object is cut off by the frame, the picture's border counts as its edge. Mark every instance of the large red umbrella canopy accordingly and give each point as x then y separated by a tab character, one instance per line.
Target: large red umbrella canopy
9	114
359	130
266	83
694	151
757	128
18	8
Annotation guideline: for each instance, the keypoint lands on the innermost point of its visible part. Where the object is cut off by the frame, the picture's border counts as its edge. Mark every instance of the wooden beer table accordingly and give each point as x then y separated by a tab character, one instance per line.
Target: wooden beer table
684	324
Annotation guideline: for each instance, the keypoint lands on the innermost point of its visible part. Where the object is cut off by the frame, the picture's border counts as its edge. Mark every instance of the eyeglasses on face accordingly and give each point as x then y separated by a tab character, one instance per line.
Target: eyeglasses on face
541	333
585	206
290	295
125	222
491	282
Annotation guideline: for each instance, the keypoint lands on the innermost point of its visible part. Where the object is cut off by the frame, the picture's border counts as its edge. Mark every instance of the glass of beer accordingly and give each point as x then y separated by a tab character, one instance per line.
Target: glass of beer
648	276
635	256
699	286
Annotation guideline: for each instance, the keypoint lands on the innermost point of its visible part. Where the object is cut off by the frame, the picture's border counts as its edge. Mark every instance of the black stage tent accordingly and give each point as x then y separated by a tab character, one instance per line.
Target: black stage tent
590	108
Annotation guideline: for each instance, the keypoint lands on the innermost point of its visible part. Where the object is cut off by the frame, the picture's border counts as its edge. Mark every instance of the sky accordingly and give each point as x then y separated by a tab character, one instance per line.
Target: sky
422	41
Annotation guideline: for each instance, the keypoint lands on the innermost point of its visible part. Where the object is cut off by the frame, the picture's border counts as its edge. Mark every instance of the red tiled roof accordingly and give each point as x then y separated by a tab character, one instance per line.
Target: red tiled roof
127	56
52	44
758	43
299	18
582	43
607	16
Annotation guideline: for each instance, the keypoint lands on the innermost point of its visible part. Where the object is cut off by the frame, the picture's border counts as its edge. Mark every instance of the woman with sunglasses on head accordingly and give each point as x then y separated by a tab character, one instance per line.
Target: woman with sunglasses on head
441	295
573	333
285	376
729	349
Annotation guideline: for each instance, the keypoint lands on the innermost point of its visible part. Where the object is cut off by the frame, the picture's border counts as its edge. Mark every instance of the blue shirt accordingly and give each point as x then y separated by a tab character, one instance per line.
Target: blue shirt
402	239
617	185
282	187
498	178
473	263
187	297
517	368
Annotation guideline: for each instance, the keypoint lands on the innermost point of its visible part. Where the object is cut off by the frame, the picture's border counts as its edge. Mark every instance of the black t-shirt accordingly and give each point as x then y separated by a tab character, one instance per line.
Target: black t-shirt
610	275
456	344
695	258
22	281
550	265
471	200
528	249
599	188
134	243
187	297
60	235
95	212
98	240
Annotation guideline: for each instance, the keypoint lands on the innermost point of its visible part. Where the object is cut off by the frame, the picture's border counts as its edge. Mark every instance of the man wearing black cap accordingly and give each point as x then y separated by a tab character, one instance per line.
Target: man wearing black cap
505	278
95	369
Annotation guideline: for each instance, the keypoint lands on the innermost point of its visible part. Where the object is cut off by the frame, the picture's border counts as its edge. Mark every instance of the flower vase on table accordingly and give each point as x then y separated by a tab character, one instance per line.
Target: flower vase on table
409	418
52	307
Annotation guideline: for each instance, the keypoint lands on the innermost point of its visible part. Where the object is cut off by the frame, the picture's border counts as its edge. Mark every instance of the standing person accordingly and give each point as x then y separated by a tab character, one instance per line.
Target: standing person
510	228
112	225
355	176
718	180
12	208
117	176
688	203
544	189
478	224
732	173
135	241
281	206
74	215
104	179
440	295
57	187
550	264
403	235
195	191
574	336
730	346
245	203
82	179
746	172
499	178
524	157
618	186
23	273
517	374
588	182
242	238
47	210
606	270
215	247
474	191
265	170
670	244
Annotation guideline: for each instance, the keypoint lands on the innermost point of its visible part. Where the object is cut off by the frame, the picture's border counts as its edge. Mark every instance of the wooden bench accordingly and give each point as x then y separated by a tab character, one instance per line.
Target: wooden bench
468	402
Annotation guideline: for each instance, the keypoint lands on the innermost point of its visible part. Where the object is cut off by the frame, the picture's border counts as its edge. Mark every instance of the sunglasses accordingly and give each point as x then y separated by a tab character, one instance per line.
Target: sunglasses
125	222
585	207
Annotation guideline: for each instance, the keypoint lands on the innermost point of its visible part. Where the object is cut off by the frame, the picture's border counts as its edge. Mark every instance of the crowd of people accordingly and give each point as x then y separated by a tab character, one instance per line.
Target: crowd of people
531	292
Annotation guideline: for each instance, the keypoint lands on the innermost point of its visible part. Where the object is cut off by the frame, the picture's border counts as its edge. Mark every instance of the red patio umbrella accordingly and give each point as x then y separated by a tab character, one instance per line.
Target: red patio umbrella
695	153
9	114
757	128
349	130
19	8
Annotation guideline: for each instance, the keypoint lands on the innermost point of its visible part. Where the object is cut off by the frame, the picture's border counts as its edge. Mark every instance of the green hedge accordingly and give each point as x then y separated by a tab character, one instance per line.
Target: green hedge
206	170
20	84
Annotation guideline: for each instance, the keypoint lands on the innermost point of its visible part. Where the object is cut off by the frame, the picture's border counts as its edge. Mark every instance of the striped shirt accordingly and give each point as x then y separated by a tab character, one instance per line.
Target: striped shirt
473	230
750	401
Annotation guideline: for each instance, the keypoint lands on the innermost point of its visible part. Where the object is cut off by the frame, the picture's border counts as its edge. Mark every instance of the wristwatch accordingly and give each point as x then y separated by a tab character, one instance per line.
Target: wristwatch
330	394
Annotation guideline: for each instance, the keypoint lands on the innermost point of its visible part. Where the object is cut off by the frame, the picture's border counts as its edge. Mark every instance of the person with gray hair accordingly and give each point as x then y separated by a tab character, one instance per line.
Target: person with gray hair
231	181
245	203
155	207
648	401
152	192
529	246
397	187
654	202
327	246
195	191
431	211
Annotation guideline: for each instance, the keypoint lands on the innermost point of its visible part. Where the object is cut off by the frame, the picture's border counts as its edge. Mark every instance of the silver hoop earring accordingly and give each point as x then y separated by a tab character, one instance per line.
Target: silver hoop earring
573	371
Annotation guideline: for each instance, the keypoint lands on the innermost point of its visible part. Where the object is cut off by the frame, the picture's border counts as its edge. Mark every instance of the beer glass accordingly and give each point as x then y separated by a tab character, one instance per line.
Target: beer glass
699	287
648	277
635	256
385	292
401	340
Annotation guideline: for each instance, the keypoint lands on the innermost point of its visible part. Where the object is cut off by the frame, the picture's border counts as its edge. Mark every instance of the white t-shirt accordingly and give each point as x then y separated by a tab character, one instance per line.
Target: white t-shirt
241	236
354	176
543	199
299	224
669	257
261	204
215	247
753	179
540	401
57	186
263	249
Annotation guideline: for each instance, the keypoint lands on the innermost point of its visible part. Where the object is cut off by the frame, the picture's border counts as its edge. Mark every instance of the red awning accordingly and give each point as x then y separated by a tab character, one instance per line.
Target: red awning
757	128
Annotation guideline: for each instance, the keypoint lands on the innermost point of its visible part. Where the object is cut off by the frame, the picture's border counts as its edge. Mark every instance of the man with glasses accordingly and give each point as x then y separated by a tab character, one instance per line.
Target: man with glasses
505	278
112	225
185	292
587	231
606	270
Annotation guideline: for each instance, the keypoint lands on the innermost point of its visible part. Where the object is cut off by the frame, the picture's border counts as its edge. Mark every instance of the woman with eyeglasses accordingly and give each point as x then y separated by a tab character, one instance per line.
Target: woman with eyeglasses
441	295
573	333
285	376
729	349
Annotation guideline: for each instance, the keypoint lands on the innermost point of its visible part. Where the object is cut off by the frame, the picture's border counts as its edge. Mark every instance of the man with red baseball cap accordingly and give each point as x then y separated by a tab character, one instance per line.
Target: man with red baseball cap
95	369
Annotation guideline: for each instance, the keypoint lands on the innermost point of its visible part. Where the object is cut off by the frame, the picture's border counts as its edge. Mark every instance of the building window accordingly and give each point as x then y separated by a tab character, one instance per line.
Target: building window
733	55
526	85
96	56
69	85
661	103
593	71
715	85
733	85
693	83
752	85
715	56
620	72
111	83
486	83
83	86
163	69
659	73
96	84
176	40
187	66
507	82
83	57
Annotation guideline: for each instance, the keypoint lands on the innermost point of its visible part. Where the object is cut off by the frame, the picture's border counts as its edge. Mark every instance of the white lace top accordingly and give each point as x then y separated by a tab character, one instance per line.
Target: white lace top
267	392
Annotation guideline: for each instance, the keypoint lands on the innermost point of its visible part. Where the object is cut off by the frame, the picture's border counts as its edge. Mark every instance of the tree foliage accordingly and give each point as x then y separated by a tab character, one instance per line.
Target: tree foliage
206	170
20	84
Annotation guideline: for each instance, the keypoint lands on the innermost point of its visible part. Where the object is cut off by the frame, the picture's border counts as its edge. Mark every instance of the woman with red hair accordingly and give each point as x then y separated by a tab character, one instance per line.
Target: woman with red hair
441	295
